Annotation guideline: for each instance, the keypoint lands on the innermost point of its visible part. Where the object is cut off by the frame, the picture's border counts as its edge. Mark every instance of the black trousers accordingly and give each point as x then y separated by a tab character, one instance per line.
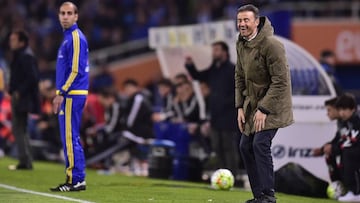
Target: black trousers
19	129
334	166
351	168
226	146
256	153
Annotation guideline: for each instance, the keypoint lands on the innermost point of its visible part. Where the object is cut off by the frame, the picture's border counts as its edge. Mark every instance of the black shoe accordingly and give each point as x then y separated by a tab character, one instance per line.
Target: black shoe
266	199
252	200
20	167
67	187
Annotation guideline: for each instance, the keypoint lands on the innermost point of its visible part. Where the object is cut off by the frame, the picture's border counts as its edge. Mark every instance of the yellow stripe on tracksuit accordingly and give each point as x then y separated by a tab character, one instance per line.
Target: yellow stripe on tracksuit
68	138
75	61
74	92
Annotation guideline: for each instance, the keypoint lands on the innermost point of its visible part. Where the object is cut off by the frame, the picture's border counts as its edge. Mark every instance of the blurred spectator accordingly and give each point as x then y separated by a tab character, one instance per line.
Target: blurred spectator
23	88
6	137
328	62
350	146
2	85
104	139
102	80
187	106
332	149
220	78
47	124
165	88
139	126
2	92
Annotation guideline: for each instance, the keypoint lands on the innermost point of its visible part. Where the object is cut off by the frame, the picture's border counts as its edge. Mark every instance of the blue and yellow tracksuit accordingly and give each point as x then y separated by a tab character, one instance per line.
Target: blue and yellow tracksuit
72	81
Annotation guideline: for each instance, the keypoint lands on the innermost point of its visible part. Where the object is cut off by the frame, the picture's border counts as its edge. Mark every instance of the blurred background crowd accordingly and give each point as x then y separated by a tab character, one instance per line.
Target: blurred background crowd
111	22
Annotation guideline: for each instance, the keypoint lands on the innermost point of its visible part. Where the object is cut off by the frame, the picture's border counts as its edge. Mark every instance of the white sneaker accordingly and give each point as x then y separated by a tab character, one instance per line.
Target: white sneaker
349	197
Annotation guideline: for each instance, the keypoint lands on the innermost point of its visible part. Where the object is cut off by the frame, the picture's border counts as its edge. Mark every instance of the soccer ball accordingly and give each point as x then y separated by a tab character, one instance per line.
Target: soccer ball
335	190
222	179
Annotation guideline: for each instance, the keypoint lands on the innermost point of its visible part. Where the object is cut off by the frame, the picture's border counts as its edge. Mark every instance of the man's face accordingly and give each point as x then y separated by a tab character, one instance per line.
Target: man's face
67	16
247	23
345	114
332	112
331	60
164	90
14	42
217	52
104	101
130	90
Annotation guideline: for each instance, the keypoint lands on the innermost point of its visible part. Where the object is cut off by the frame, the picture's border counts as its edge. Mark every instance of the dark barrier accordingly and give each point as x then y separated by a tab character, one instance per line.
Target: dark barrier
294	179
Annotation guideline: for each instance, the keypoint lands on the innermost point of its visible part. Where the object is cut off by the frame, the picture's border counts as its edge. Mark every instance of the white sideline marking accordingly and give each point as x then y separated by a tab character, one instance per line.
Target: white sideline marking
42	193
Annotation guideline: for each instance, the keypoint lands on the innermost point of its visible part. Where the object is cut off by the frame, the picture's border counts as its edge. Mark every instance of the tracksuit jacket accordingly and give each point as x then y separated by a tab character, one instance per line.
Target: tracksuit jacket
72	81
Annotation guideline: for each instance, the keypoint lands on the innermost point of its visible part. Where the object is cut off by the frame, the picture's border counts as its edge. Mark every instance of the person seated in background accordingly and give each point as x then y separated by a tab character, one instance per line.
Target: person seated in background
165	88
187	106
350	146
102	79
139	125
190	110
105	139
7	139
331	149
47	124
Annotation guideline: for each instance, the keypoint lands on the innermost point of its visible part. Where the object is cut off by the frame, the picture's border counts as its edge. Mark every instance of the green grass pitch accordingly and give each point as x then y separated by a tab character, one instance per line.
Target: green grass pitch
119	188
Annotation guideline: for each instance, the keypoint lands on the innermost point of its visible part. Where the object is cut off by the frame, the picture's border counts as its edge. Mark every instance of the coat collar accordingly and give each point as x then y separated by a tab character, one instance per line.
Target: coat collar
70	29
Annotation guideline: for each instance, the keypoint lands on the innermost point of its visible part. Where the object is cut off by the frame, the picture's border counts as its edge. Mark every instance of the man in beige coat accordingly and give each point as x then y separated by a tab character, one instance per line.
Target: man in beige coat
262	98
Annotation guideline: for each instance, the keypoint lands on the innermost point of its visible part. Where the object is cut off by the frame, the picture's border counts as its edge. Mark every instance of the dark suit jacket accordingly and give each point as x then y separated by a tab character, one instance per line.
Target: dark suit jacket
24	79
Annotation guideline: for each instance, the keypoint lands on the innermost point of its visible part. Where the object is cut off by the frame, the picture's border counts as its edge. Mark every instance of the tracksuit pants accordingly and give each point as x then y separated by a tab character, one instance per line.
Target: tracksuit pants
70	119
351	163
256	153
334	166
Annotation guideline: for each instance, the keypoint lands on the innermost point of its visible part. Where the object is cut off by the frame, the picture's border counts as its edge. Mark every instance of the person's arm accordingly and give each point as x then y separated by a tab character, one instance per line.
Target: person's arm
135	109
239	83
110	126
279	75
239	89
195	74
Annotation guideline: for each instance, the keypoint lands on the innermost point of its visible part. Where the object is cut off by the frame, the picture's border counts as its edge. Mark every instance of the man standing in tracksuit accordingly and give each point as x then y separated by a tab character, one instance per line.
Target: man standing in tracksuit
72	82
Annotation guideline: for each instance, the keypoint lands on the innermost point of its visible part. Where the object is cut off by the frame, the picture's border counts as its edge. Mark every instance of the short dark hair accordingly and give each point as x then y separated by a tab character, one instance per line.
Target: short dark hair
346	101
22	37
182	76
131	82
165	82
223	46
331	102
249	7
326	53
108	92
70	3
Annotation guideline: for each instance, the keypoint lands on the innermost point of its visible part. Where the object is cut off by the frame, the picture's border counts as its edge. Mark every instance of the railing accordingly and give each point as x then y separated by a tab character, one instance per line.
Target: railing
115	52
319	9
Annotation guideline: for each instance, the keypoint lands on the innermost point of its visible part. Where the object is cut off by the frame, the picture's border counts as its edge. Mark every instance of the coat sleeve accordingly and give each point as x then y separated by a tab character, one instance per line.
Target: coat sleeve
239	83
195	74
30	69
279	75
73	62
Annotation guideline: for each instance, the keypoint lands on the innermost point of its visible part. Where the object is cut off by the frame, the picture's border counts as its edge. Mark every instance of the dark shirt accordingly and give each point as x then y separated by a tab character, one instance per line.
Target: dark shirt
220	78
